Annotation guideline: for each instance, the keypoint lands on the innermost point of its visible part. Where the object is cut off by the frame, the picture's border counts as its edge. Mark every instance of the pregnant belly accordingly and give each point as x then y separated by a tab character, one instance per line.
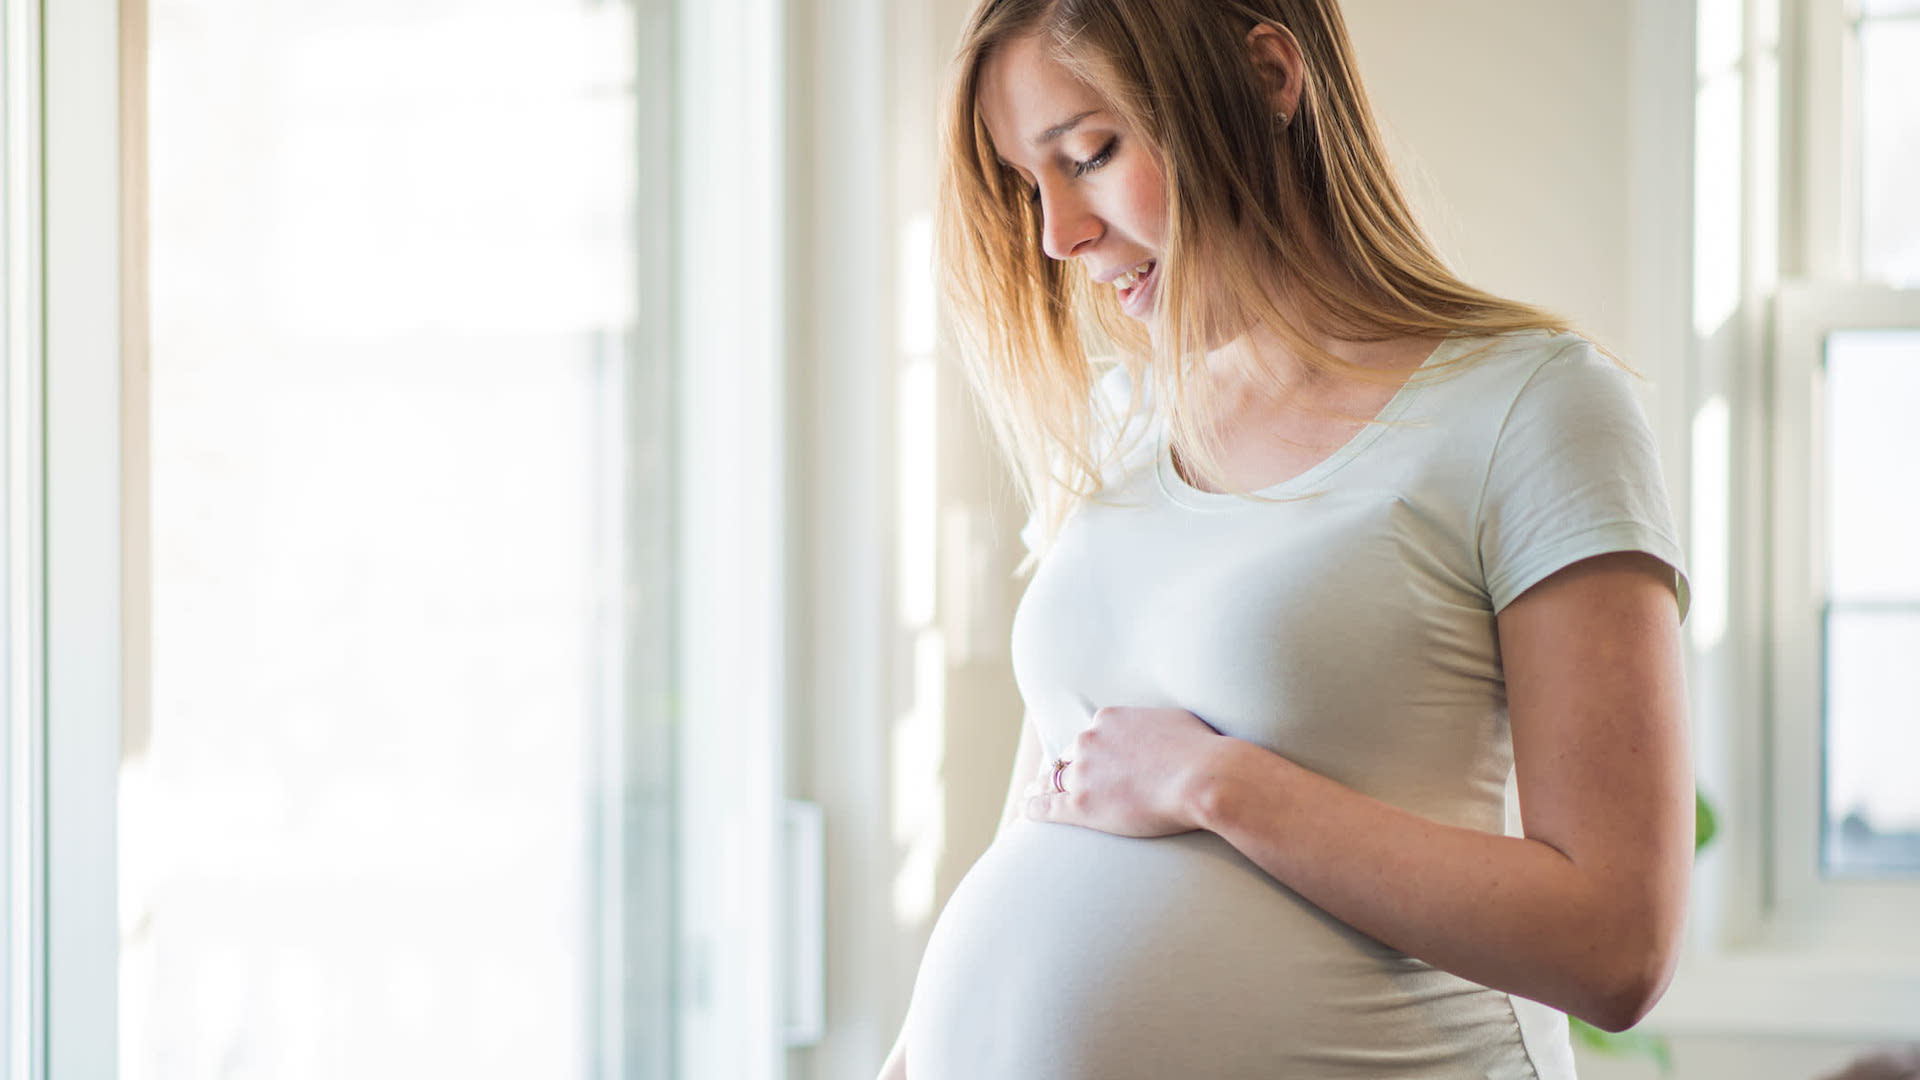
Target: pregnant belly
1070	953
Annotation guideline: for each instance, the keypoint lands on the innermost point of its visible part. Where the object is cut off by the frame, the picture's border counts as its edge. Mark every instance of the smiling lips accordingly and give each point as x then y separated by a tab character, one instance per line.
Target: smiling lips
1132	284
1132	277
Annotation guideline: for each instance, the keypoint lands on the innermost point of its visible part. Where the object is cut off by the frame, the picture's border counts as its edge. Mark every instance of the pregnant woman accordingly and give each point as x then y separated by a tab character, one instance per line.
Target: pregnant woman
1328	546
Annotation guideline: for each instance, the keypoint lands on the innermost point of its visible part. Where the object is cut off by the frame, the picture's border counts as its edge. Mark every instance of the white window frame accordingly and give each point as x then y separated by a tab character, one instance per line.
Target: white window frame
1774	948
22	955
82	371
735	1002
1847	915
1823	294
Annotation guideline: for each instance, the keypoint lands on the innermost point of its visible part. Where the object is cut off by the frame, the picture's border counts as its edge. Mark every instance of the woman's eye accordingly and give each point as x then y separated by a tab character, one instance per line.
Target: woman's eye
1082	168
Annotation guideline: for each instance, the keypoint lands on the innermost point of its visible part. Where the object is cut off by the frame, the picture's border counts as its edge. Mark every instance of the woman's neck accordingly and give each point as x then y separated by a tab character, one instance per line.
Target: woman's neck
1256	366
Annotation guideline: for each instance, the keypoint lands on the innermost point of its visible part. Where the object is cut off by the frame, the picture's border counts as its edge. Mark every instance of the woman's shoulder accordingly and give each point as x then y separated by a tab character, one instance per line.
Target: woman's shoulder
1520	355
1494	375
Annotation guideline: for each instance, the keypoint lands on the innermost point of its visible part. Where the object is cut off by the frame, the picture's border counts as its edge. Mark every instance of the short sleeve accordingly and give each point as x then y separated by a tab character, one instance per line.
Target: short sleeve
1574	473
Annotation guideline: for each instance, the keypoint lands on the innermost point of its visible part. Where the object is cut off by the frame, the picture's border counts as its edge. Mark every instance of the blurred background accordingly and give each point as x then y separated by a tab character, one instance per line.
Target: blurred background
505	578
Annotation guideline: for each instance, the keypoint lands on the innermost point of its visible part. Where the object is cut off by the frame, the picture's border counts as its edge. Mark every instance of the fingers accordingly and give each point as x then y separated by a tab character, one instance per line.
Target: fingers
1040	791
1113	774
1054	795
1053	776
1051	805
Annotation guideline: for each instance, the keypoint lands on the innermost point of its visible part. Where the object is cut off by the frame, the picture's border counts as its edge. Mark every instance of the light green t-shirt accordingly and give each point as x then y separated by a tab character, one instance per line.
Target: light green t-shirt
1349	626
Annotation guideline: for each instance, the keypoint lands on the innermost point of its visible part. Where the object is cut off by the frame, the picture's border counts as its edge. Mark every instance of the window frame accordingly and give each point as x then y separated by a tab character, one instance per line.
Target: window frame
1809	911
80	364
1822	292
747	966
22	746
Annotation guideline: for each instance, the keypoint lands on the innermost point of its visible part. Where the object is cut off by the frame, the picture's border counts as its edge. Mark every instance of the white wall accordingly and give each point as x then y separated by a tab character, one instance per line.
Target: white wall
1509	124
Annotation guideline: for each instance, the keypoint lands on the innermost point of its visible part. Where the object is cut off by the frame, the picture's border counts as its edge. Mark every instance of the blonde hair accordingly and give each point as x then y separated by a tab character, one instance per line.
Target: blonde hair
1252	204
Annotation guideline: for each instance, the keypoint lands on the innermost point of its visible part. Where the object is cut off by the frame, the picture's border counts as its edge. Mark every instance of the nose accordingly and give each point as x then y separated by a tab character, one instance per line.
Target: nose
1067	224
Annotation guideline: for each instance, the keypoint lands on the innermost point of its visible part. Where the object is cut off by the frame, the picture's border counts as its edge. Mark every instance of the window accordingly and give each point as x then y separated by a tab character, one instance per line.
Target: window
1807	336
1872	609
1846	603
392	806
569	257
1846	358
1886	40
439	580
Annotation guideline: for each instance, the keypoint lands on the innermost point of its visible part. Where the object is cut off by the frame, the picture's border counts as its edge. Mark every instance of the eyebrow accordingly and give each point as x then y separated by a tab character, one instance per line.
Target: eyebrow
1062	128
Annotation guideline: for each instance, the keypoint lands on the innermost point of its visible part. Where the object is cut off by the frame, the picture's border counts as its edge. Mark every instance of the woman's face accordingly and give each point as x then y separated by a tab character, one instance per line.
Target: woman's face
1101	193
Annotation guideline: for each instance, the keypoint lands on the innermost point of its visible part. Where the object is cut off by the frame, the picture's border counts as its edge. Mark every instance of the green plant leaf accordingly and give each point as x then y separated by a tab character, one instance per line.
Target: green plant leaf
1629	1043
1705	824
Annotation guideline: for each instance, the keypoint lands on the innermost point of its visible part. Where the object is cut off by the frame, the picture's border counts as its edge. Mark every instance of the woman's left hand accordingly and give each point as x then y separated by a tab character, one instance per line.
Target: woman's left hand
1133	772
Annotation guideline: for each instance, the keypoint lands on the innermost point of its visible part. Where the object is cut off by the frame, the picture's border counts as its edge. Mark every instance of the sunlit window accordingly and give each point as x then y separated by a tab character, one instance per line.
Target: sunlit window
1719	116
1889	50
1873	605
377	824
1870	607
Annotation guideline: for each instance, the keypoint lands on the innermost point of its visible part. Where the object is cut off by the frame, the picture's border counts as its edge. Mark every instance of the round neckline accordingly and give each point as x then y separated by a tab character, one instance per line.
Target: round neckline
1176	488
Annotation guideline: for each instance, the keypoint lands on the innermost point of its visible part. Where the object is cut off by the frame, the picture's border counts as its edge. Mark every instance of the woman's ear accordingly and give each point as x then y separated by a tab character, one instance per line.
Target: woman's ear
1278	62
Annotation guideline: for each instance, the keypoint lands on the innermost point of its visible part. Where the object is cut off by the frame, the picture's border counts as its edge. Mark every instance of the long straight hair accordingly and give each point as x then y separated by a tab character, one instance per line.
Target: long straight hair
1263	219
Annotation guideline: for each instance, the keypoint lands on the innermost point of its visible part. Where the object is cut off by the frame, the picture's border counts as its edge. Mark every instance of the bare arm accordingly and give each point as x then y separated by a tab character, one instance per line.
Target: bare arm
1583	913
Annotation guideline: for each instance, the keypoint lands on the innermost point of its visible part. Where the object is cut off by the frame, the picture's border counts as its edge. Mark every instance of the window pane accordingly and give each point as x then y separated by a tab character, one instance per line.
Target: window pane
1873	619
1873	741
1716	201
1890	149
1873	381
1719	26
380	824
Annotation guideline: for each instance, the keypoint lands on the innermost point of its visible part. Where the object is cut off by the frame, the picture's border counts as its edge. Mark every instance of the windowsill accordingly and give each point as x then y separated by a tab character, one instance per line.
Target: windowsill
1793	993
